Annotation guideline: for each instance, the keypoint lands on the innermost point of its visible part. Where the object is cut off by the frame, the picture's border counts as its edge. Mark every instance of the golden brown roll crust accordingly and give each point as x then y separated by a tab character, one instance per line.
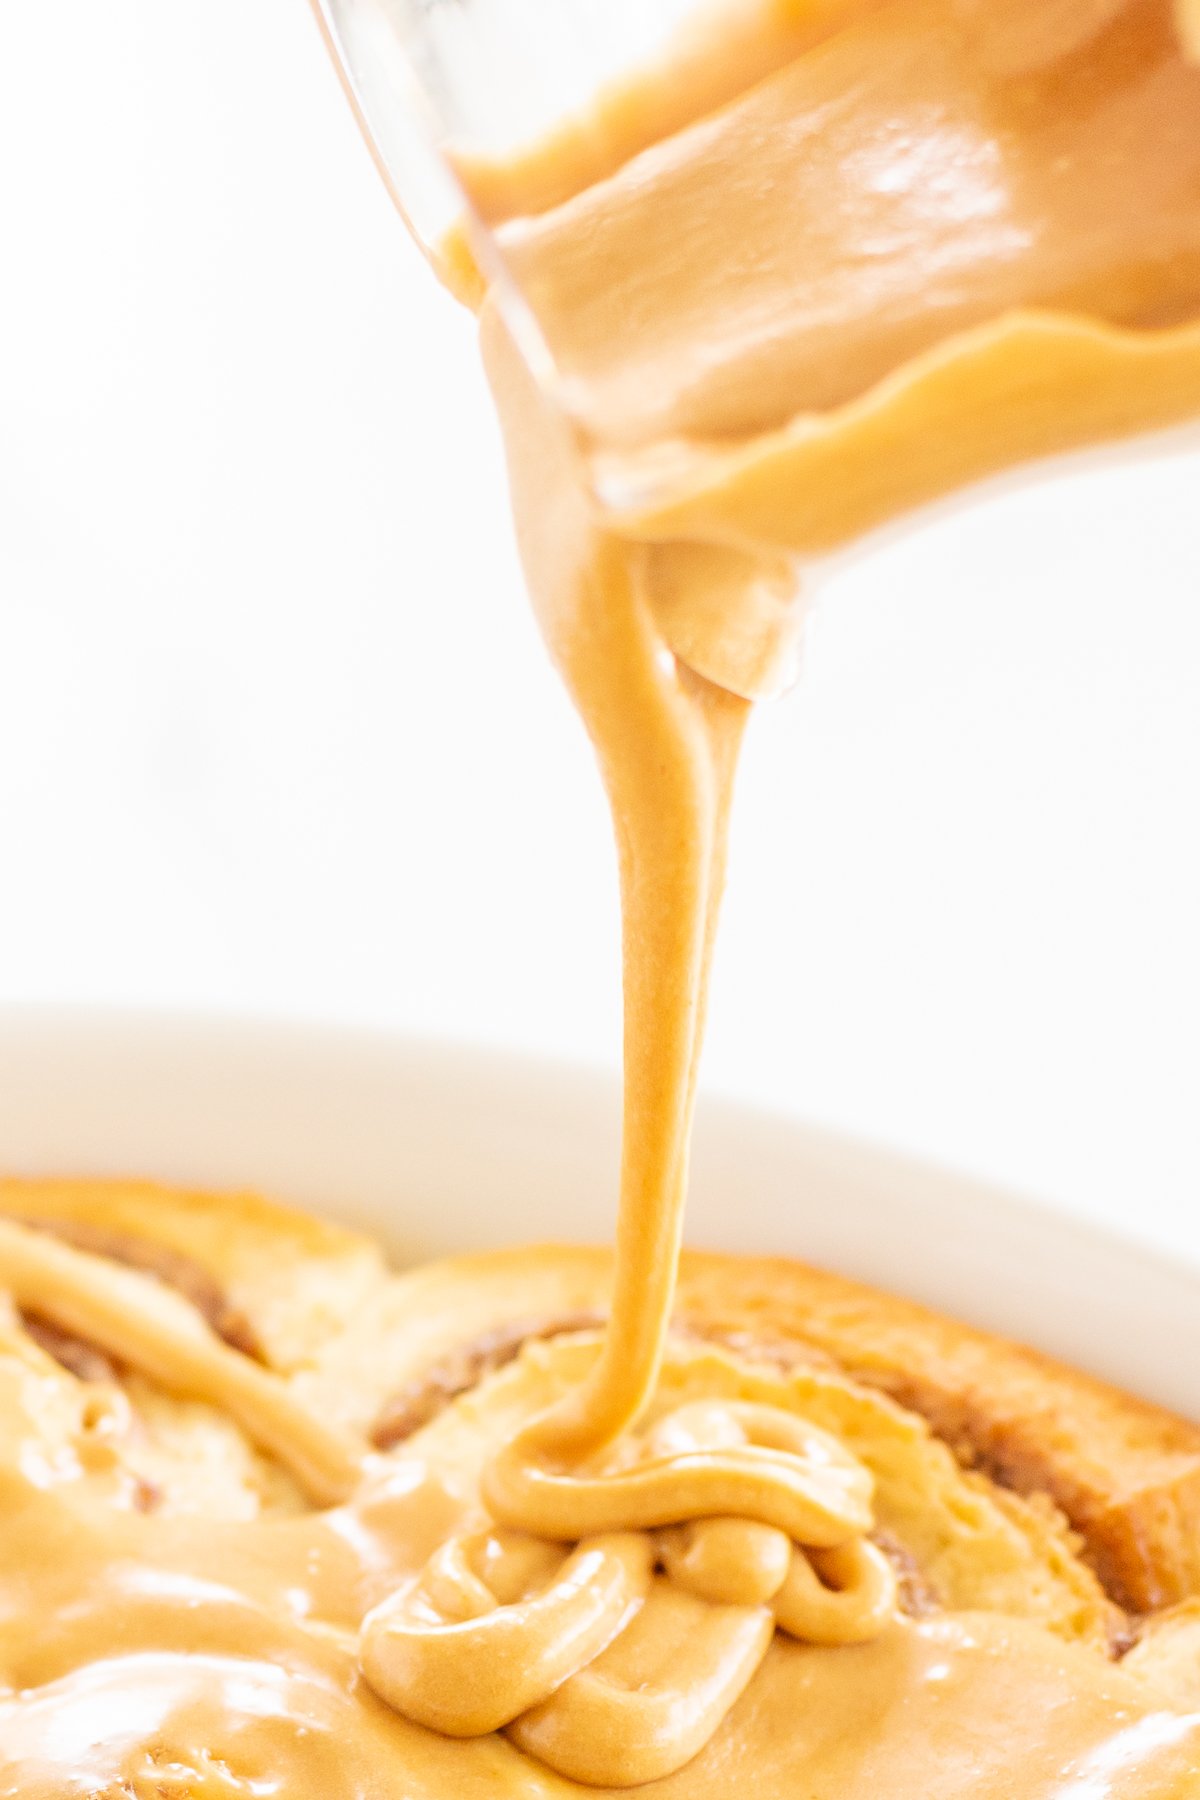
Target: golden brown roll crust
1126	1474
292	1280
385	1352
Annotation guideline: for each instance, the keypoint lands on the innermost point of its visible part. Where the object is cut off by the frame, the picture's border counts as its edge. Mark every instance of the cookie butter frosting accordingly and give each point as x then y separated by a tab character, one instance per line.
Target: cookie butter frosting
148	1650
830	262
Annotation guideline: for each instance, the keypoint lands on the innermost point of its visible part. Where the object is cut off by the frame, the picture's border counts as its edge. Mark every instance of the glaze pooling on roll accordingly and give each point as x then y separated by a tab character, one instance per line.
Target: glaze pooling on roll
201	1655
503	1632
167	1339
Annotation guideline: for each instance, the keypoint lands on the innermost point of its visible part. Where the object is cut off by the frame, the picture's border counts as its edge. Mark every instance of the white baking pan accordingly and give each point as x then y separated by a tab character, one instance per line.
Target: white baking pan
438	1148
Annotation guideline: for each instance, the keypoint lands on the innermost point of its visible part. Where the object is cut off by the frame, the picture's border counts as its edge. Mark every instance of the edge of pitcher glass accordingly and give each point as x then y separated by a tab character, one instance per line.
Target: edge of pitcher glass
444	204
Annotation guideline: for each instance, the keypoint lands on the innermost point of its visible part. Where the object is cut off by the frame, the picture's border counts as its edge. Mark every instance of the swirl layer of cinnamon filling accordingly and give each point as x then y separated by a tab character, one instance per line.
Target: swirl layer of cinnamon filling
213	1584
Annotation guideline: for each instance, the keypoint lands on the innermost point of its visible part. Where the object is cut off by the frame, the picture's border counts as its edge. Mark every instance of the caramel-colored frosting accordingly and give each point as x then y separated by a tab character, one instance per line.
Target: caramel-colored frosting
166	1652
829	260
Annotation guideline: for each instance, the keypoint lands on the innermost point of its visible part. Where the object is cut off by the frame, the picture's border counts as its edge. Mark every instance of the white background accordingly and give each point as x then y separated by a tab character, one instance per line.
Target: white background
276	734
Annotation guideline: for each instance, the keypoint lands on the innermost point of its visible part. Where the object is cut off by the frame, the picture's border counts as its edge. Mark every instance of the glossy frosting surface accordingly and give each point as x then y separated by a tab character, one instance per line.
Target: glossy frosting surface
176	1654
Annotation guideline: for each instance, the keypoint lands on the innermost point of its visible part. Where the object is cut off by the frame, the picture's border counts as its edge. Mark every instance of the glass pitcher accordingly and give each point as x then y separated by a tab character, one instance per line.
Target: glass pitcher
432	81
958	353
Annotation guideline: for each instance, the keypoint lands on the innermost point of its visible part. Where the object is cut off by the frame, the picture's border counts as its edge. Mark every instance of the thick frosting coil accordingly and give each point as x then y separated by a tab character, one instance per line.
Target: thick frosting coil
707	1460
453	1656
655	1698
609	1673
